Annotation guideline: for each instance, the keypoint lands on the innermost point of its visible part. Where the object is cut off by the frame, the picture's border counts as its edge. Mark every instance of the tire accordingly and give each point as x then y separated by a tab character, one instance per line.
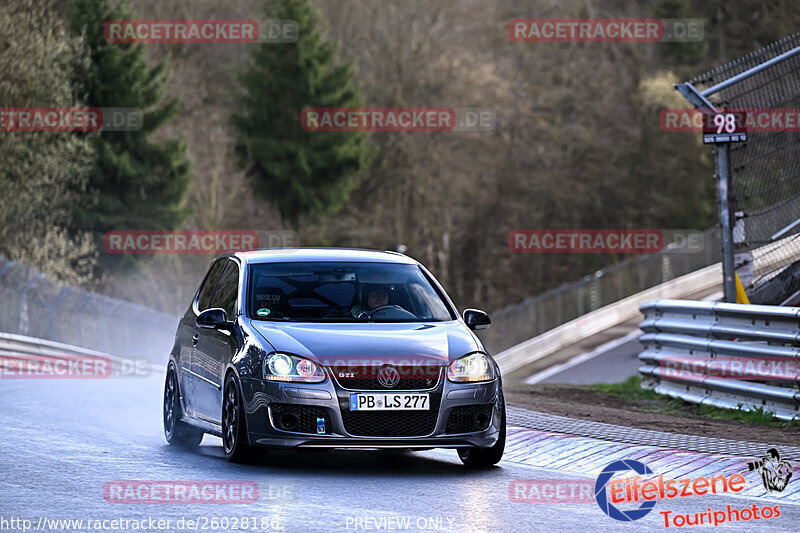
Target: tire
486	457
176	431
234	430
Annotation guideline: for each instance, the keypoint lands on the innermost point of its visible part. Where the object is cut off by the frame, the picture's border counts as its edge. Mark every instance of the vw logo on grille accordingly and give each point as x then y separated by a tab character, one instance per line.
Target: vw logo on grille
388	377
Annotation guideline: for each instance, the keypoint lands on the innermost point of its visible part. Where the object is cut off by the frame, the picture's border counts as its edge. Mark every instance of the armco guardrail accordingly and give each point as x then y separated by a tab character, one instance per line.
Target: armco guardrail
721	354
15	348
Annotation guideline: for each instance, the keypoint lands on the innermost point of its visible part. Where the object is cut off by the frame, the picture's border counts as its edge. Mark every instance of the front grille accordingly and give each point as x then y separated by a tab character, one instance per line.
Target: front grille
469	418
366	378
298	418
374	385
389	423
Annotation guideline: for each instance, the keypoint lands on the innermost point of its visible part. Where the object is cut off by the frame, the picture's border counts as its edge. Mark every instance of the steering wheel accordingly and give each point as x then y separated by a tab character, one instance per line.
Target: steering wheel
371	314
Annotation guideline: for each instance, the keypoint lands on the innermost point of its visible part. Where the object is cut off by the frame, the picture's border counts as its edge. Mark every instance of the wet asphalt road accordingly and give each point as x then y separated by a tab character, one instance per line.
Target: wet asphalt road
63	440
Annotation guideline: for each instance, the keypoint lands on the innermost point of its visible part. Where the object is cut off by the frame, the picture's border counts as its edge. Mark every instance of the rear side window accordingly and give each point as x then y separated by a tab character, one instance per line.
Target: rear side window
204	298
227	289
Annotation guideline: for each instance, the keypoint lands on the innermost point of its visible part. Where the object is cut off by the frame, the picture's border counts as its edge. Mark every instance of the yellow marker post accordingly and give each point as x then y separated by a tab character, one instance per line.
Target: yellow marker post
741	296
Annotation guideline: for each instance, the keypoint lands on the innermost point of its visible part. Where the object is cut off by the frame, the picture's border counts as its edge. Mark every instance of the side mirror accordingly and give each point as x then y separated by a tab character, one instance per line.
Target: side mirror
476	319
215	318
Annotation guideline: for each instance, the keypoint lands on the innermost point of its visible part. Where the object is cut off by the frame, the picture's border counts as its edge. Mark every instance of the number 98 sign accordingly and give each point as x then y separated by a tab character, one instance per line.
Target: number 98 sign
724	128
726	121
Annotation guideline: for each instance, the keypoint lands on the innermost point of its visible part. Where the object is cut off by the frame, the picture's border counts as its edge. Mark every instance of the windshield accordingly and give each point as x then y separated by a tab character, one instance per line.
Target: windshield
343	292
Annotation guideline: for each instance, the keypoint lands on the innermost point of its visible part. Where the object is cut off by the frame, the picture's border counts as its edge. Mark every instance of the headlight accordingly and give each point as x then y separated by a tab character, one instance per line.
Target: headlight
282	367
470	368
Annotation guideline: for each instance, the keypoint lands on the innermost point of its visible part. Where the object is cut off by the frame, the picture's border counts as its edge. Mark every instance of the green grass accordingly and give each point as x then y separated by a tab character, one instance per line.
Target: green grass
632	389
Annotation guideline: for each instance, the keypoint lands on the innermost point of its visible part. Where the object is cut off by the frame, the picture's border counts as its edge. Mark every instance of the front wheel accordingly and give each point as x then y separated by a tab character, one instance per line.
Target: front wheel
234	431
176	430
486	457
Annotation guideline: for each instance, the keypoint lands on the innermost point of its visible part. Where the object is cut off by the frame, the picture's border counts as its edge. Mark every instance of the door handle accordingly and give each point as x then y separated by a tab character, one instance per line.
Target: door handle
195	338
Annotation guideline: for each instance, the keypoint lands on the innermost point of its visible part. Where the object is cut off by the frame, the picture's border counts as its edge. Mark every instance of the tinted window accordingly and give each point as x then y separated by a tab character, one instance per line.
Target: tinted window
210	282
343	292
227	288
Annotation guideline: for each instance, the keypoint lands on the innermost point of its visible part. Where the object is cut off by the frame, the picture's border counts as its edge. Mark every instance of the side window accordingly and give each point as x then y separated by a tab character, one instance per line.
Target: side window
204	297
227	289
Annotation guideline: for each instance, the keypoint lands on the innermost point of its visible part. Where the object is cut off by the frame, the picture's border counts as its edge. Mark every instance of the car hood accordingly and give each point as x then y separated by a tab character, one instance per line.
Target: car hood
431	343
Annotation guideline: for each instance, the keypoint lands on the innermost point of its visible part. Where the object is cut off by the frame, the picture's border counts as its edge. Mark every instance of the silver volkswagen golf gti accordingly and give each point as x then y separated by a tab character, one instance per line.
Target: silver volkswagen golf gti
331	348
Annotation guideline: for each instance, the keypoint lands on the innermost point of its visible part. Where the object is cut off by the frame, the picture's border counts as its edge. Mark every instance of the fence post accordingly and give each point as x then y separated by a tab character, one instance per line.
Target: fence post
54	312
88	298
722	160
595	291
23	303
559	311
722	166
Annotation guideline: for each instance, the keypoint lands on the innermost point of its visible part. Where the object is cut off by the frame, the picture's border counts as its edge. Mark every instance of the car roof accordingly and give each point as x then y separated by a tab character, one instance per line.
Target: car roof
285	255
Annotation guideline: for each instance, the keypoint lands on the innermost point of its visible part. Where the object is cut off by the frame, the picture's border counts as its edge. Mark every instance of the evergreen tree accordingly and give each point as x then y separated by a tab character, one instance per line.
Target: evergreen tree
304	174
42	174
135	183
690	53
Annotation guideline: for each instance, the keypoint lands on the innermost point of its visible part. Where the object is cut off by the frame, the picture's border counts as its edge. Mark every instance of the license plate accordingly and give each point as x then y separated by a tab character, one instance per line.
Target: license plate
389	401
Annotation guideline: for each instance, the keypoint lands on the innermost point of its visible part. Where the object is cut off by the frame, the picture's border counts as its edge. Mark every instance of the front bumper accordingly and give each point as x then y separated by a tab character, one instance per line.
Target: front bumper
263	400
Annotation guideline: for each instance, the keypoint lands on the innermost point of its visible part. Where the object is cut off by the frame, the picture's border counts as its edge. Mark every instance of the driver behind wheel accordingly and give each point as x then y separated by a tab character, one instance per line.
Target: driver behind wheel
372	297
